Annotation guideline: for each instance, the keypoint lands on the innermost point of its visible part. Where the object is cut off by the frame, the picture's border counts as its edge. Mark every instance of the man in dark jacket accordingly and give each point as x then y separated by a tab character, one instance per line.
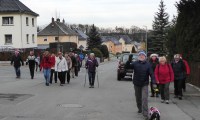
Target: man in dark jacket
17	60
142	71
179	69
31	62
91	65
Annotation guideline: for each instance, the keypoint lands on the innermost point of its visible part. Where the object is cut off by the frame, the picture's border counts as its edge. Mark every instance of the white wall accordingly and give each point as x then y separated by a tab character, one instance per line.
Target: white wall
19	31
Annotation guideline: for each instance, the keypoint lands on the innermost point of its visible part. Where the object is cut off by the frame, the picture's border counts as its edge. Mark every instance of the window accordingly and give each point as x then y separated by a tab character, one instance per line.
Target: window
56	39
7	20
45	39
8	39
27	38
33	22
27	23
33	38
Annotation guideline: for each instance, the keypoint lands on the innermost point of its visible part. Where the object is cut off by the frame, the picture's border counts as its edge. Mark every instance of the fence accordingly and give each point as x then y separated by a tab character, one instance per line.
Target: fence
194	78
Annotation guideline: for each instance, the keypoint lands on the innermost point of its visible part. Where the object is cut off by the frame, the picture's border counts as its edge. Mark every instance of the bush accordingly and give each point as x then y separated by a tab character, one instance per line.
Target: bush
97	52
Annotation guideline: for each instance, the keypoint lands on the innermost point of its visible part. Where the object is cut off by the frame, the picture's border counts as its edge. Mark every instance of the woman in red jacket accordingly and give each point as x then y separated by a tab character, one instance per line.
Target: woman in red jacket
164	75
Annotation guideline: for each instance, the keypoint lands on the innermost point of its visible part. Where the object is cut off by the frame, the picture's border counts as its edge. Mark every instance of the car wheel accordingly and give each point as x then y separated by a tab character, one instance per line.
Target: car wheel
118	77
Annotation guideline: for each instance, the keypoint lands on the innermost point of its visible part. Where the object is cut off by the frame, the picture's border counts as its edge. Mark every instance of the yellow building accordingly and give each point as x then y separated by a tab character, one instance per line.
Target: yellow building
113	45
56	31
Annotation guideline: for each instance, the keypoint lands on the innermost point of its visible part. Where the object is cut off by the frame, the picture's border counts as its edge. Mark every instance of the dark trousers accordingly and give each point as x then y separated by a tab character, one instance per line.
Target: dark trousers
178	87
141	94
61	76
36	66
17	71
76	71
32	69
91	78
164	91
184	84
53	72
68	76
152	89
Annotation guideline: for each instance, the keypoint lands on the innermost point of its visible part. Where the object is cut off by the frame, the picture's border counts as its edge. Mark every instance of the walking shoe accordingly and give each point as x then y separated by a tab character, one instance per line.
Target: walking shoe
167	101
61	84
55	81
139	111
47	84
162	101
90	87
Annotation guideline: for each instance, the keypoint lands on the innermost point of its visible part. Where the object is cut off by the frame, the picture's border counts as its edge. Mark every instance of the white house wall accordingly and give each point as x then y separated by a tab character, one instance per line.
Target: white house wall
19	31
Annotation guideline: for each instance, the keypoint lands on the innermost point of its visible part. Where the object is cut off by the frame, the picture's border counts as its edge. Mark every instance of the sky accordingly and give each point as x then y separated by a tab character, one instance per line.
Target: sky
102	13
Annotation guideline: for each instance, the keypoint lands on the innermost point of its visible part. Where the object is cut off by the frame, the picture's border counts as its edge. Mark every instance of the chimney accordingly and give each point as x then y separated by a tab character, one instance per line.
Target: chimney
58	20
52	19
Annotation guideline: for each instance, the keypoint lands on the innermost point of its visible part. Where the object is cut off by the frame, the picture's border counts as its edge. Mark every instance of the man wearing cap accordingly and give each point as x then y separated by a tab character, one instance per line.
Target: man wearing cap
142	71
17	60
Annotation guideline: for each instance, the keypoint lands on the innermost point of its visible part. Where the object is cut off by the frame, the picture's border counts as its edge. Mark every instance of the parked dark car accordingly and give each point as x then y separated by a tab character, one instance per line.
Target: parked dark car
123	70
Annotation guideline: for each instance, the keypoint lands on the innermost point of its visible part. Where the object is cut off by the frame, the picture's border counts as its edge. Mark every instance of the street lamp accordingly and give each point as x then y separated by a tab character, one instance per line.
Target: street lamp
146	45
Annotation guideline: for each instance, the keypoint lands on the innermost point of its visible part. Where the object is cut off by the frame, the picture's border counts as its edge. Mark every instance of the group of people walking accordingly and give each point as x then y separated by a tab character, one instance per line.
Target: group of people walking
162	73
59	66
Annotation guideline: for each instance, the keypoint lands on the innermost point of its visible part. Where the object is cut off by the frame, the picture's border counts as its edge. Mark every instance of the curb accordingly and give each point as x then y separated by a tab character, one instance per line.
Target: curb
197	88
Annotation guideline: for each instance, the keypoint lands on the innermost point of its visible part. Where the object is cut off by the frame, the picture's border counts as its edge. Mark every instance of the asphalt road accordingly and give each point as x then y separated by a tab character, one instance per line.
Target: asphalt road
26	99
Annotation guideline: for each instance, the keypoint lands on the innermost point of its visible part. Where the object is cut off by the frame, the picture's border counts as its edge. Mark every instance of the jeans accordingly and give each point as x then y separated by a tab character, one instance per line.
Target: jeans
17	71
32	69
178	85
55	75
91	78
164	90
47	75
141	94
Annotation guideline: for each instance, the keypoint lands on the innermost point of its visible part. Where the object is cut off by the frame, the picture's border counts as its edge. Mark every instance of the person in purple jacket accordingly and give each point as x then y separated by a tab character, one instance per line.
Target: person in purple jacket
91	65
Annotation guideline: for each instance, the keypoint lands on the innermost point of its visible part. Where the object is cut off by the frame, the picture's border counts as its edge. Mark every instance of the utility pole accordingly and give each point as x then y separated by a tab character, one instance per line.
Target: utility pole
146	44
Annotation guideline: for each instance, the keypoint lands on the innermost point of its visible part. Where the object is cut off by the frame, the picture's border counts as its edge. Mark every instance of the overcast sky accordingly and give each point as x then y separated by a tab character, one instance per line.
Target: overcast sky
103	13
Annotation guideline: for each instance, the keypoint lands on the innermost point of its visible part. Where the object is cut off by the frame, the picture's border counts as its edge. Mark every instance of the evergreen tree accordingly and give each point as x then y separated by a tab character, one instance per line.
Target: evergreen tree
94	40
160	25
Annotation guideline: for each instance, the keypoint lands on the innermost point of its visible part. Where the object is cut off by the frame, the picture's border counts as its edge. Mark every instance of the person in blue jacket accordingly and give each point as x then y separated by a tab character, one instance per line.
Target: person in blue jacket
142	71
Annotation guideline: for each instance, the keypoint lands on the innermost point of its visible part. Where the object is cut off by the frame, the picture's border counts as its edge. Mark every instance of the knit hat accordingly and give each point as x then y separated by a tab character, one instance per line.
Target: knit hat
154	55
177	56
142	53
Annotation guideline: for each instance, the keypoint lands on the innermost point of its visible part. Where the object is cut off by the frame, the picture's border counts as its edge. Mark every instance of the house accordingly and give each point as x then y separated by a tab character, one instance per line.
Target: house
113	44
82	38
18	25
56	32
126	42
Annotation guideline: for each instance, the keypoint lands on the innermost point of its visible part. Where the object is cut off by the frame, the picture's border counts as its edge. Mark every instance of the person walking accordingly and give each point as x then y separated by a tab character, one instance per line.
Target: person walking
154	62
61	67
91	65
142	71
46	65
164	75
31	61
179	75
187	73
74	64
53	72
69	63
17	60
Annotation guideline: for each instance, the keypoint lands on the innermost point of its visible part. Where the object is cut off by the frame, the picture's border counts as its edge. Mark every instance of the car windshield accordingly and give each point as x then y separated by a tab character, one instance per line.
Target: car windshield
126	56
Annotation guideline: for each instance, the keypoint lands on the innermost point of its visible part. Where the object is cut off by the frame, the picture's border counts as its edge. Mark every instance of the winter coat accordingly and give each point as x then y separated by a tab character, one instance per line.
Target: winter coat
164	73
187	67
17	61
46	63
61	65
31	60
142	71
53	61
69	62
91	65
179	70
74	61
154	63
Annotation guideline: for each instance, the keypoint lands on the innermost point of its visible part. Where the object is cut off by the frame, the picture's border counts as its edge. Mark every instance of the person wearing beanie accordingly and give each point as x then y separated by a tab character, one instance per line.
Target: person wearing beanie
154	62
179	75
17	60
142	71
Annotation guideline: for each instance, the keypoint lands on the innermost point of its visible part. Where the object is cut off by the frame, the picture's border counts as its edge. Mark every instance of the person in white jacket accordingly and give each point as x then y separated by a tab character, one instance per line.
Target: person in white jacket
61	67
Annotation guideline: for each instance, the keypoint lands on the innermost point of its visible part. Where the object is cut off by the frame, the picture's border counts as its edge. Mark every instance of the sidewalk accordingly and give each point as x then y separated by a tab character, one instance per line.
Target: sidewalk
186	109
